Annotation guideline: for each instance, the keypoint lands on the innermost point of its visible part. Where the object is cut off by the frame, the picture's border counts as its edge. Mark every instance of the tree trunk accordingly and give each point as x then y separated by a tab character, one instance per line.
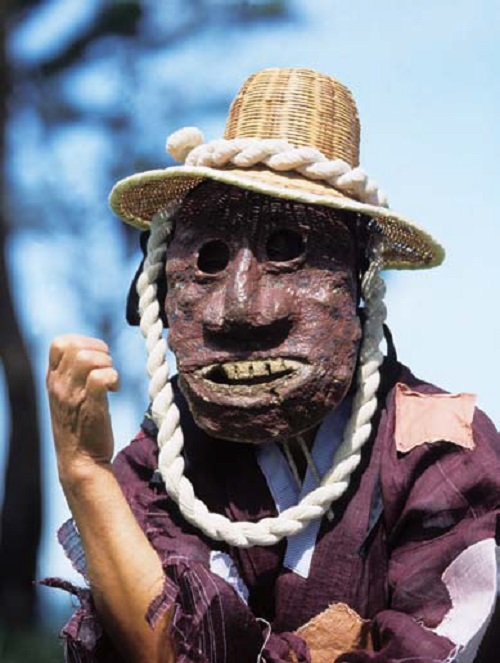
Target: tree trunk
20	521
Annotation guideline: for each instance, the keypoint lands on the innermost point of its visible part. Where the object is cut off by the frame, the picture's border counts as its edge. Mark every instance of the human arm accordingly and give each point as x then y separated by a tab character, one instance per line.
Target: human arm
124	571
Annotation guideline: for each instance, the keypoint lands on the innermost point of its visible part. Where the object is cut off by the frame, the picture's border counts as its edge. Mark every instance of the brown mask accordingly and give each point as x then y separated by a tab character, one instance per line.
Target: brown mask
262	307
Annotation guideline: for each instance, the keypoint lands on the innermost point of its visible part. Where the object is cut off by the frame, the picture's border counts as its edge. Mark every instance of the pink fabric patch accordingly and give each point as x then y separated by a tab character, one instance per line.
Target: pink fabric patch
431	418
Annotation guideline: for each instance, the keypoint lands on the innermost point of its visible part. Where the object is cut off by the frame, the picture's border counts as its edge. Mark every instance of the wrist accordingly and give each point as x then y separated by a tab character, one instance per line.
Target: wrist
81	470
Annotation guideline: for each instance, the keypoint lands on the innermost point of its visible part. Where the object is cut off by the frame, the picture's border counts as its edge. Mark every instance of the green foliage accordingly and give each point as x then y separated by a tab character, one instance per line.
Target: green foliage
30	646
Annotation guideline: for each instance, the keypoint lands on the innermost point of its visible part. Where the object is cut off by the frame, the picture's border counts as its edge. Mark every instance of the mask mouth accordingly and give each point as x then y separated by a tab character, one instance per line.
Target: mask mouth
251	373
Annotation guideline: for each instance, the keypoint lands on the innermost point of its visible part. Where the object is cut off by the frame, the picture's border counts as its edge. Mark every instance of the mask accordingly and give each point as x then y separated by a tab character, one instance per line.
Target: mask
262	308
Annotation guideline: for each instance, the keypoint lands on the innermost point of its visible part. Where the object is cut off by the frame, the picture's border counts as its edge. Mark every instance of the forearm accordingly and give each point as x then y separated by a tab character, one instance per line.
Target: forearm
125	572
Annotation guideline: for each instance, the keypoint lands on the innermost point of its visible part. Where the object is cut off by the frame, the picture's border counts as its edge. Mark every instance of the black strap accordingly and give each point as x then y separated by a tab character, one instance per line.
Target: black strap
132	306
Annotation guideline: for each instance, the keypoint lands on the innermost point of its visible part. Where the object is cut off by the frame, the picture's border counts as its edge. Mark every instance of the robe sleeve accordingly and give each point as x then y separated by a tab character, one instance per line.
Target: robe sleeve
211	622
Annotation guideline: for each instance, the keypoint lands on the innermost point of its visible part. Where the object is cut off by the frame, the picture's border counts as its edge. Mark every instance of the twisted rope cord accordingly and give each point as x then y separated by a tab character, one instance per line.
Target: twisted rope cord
170	437
187	145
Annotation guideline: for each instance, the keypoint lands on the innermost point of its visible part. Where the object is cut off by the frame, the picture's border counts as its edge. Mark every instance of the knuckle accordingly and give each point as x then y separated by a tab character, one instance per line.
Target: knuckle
50	380
62	342
59	347
55	383
58	343
58	394
55	350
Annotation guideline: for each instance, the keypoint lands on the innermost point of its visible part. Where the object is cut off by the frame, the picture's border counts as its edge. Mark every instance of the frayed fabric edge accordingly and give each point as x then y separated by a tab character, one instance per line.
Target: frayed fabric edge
71	543
83	630
162	603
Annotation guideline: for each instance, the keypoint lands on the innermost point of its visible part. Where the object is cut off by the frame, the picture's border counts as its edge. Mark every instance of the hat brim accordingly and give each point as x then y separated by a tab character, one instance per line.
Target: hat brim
137	198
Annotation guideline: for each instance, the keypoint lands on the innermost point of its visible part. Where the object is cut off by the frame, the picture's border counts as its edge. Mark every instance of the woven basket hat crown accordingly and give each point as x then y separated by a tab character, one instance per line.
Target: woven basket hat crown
301	106
290	133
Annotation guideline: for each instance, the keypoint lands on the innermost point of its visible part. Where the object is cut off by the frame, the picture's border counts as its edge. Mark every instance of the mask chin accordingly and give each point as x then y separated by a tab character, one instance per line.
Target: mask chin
289	407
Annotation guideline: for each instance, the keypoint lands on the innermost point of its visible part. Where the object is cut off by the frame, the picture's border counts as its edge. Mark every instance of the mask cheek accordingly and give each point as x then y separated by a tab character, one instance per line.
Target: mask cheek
182	298
179	310
336	354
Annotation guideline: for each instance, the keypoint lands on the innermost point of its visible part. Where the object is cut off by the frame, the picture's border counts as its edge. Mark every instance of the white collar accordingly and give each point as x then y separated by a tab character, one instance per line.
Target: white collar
286	493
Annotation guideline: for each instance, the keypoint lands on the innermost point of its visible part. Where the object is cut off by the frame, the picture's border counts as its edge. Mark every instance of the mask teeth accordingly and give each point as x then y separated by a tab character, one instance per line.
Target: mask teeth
242	371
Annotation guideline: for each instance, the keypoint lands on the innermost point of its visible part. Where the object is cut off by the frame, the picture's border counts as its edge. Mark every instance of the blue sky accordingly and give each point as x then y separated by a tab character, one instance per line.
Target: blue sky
426	79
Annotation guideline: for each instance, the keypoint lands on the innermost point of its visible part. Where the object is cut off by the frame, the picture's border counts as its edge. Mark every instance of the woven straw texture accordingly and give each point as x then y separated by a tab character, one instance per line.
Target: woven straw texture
309	111
304	107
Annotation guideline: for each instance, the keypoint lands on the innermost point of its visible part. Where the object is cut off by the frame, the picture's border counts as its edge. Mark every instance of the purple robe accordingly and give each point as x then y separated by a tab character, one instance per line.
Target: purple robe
403	521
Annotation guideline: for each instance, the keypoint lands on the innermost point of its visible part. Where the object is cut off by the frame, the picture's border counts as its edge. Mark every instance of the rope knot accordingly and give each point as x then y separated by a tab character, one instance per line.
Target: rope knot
182	142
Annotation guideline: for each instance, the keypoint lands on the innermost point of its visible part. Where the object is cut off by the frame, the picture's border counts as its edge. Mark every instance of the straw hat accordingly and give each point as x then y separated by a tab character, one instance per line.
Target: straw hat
290	133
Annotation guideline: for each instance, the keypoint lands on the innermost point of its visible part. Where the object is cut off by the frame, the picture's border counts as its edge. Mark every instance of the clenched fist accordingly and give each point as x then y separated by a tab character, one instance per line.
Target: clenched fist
79	376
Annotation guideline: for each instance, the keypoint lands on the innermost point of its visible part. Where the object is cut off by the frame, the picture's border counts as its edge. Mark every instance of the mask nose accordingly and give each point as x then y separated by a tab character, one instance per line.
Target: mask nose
240	288
246	306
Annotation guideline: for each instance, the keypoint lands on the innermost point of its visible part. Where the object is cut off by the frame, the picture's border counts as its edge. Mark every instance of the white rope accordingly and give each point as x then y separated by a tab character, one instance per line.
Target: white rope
170	437
186	145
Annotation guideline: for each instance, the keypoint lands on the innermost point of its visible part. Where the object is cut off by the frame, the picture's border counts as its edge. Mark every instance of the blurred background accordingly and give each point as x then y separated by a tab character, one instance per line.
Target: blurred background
89	91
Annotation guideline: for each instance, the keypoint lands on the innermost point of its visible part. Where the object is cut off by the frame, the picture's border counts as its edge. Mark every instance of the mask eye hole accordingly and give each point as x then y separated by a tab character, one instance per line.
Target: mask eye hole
213	257
285	245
